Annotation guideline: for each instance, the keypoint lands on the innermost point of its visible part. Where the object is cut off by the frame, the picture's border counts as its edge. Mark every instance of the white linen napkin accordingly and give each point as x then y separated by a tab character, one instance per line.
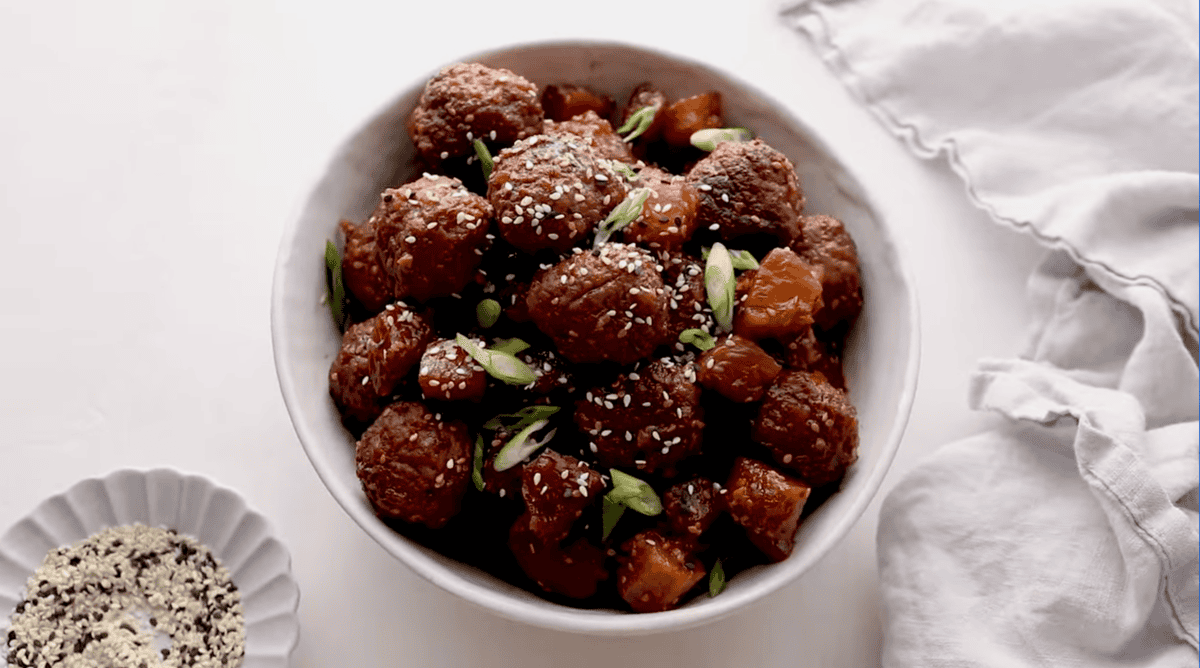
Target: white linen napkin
1070	537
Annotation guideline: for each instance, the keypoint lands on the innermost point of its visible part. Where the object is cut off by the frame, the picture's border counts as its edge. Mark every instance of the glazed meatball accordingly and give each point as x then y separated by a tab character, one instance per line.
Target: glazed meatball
608	304
748	188
564	101
778	299
550	191
810	427
767	504
691	507
683	276
431	235
448	373
375	356
413	466
806	352
557	488
648	419
738	369
656	571
468	101
596	131
684	117
361	272
826	244
668	217
349	378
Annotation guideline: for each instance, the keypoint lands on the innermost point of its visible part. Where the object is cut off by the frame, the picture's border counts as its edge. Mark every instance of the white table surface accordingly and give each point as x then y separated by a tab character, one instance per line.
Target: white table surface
150	154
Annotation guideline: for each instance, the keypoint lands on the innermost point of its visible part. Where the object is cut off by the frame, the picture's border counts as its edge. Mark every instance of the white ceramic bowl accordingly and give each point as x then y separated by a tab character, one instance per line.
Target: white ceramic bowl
880	361
217	517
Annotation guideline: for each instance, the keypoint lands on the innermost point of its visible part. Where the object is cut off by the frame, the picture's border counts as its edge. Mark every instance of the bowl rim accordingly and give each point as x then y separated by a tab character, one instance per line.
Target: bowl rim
563	618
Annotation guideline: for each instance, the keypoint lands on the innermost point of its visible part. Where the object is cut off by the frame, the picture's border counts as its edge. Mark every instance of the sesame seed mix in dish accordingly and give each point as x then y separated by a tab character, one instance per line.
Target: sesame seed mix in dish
129	597
594	349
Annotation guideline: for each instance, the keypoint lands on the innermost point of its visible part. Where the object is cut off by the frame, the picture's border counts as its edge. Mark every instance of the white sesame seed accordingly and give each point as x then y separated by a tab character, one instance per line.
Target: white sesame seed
410	239
537	478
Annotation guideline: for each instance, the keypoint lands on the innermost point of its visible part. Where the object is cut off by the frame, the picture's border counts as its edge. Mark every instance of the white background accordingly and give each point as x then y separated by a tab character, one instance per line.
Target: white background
150	155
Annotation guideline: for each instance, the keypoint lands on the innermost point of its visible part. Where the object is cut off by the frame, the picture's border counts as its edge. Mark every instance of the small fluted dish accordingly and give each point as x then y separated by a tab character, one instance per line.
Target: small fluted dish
217	517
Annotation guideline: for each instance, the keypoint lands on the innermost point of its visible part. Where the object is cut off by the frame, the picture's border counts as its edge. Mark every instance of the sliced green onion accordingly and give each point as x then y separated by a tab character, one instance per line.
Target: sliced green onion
499	364
622	169
720	285
477	463
511	346
707	140
336	295
524	417
716	579
742	259
609	516
487	312
697	337
521	446
622	214
485	158
634	493
639	121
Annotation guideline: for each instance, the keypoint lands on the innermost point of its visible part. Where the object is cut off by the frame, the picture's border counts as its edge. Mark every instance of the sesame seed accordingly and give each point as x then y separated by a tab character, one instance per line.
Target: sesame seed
714	227
410	239
537	478
628	436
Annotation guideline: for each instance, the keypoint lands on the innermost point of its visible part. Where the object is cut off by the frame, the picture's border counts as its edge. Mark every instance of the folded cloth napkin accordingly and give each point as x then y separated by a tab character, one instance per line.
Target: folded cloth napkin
1068	537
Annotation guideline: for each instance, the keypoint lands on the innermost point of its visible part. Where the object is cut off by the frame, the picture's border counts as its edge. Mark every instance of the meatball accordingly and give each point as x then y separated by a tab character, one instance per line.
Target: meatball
608	304
656	572
826	244
649	419
448	372
683	276
363	275
596	131
767	504
565	101
375	356
557	488
738	369
668	217
431	235
349	378
691	507
684	117
777	299
550	191
413	466
467	101
748	188
806	352
809	425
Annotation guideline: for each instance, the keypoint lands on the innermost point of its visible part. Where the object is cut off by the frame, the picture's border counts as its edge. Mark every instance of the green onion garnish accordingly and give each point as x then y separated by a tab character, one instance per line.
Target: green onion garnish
707	140
610	514
720	285
524	417
634	493
485	158
622	214
639	121
742	259
499	364
336	295
487	312
521	446
697	337
511	346
716	579
477	463
622	169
